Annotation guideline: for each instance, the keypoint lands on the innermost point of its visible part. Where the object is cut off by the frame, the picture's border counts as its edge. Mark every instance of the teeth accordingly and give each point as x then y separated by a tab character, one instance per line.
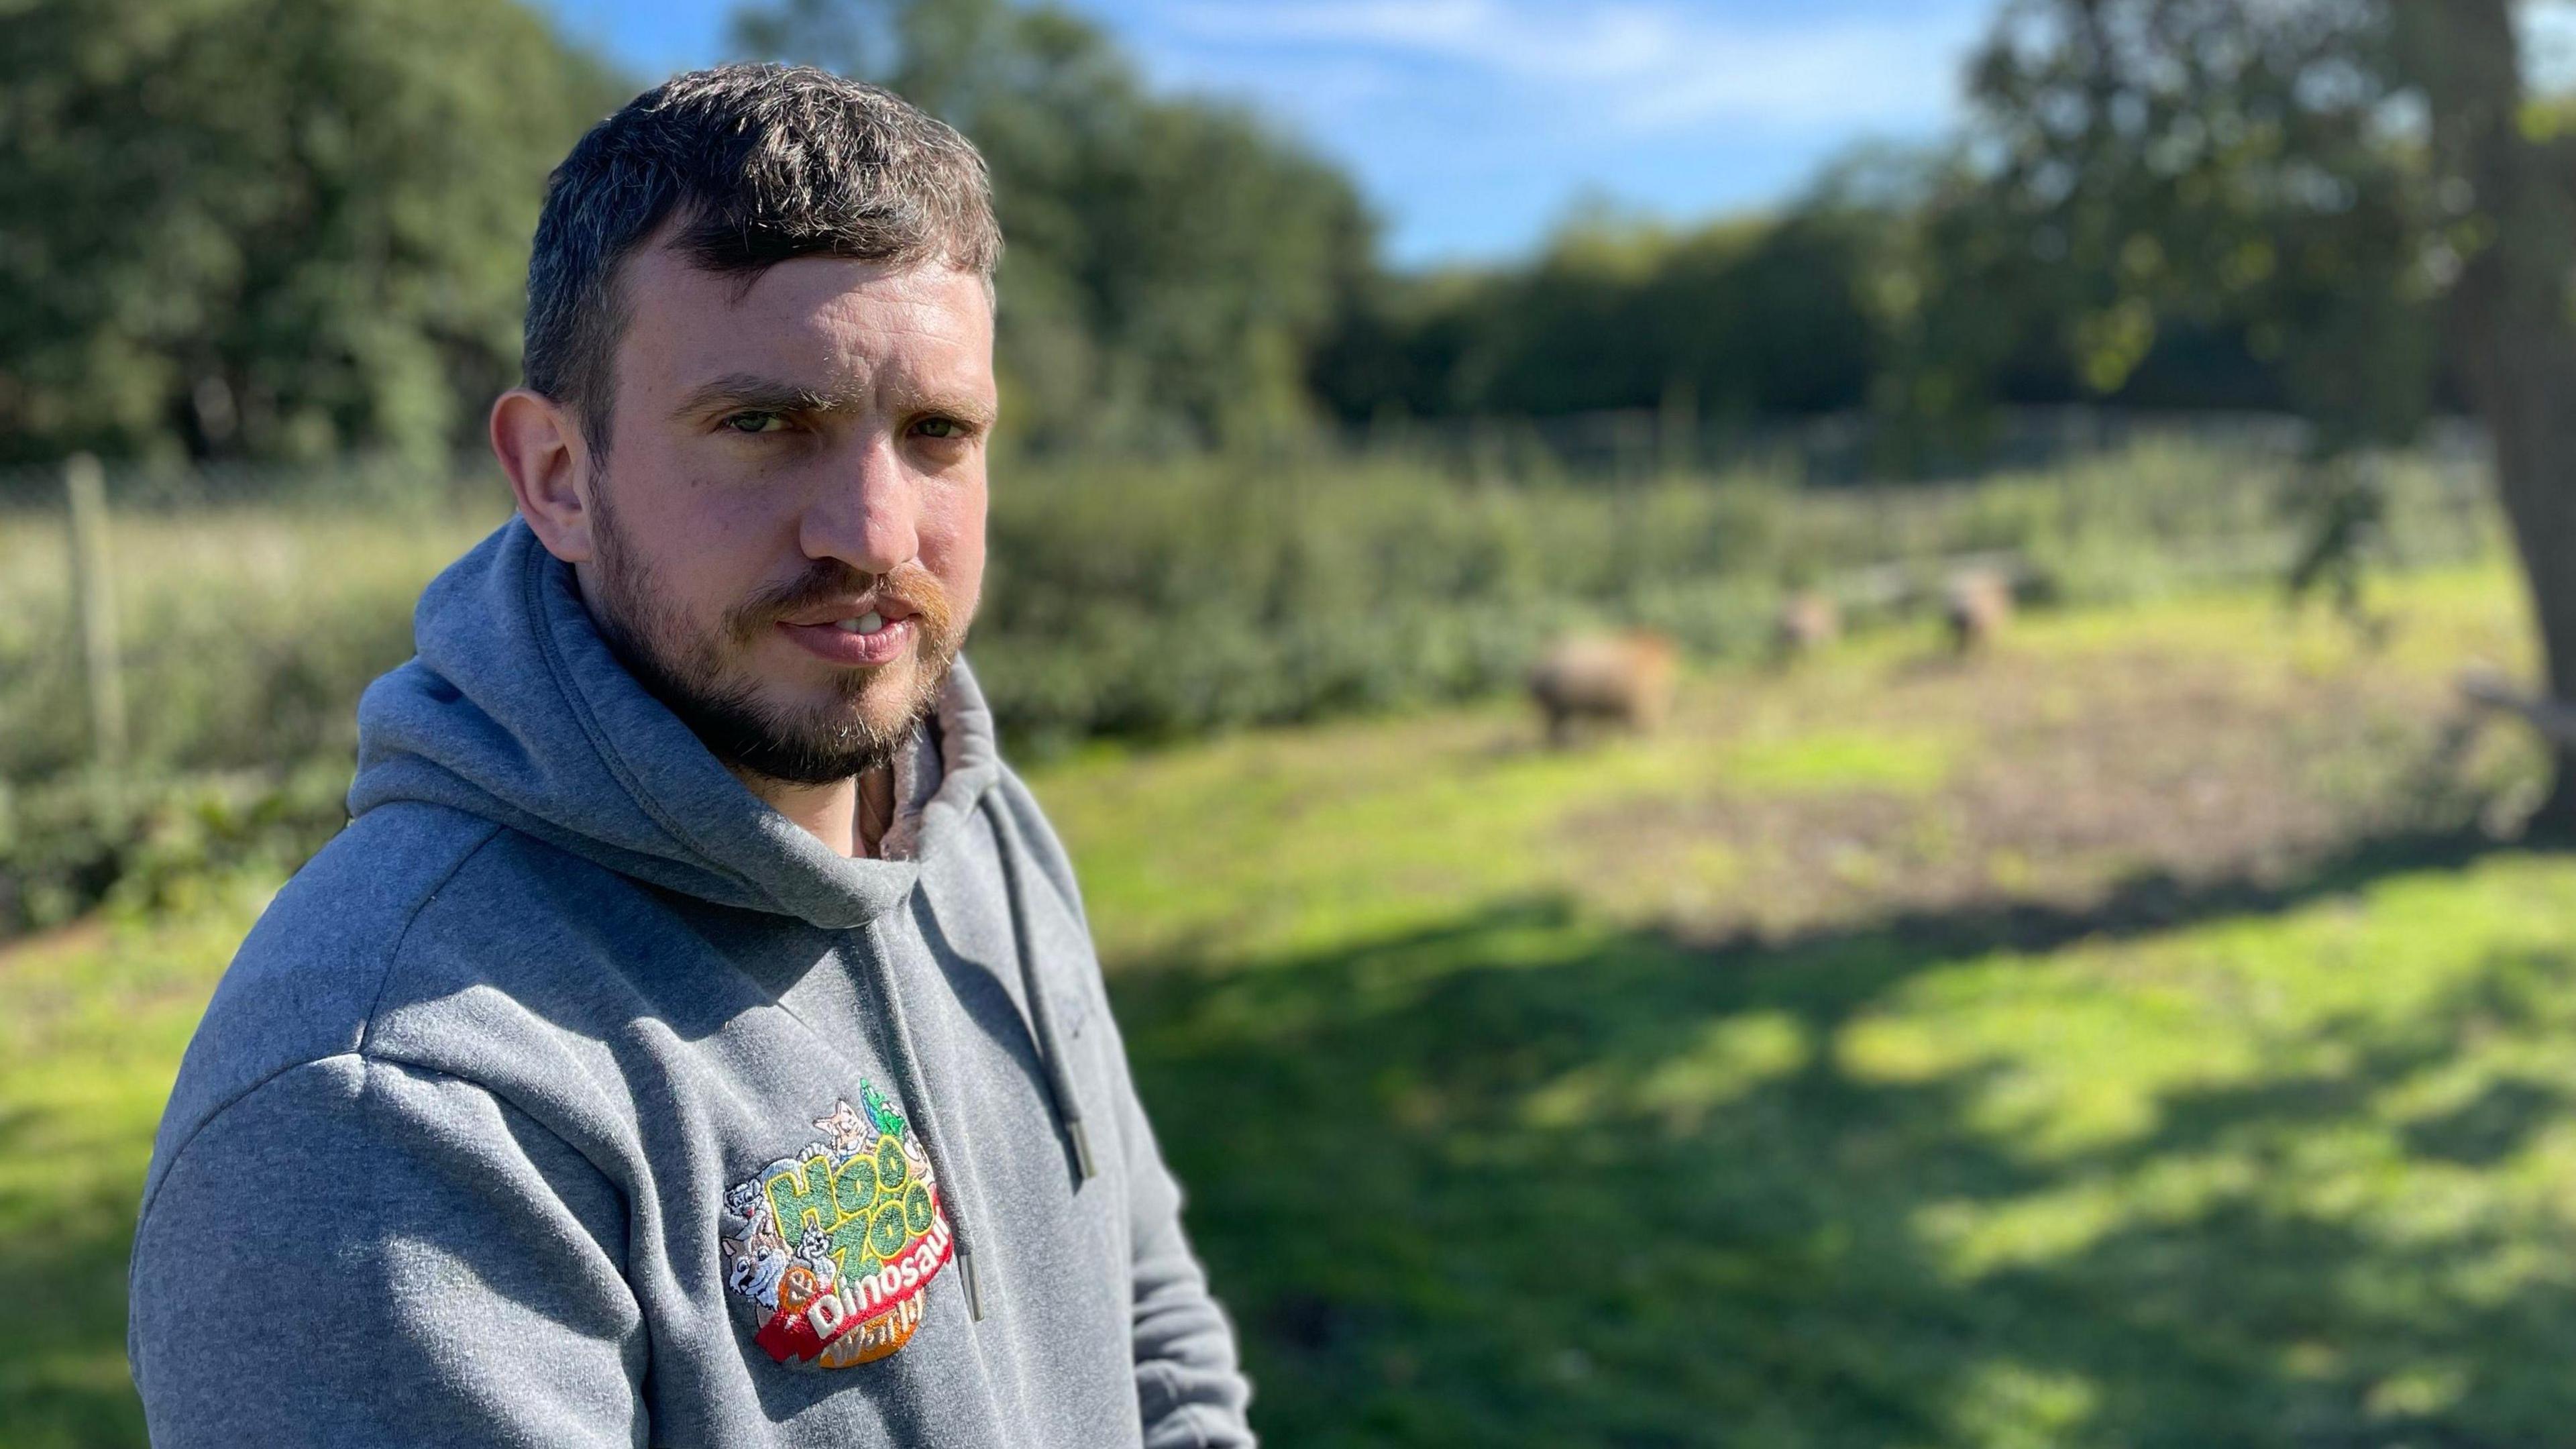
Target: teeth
867	623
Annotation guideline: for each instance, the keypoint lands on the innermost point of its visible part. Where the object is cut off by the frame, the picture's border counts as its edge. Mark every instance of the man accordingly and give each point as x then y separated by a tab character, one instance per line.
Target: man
695	1037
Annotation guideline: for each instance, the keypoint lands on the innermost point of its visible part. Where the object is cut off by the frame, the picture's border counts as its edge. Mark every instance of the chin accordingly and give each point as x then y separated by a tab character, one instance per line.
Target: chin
881	699
879	717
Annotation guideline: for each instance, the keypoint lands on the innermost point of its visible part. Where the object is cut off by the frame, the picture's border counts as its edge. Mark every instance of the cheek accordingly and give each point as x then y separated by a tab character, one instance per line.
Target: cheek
952	545
705	546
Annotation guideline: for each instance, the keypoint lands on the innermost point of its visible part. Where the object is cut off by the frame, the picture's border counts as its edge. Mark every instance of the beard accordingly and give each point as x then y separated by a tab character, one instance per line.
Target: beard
698	674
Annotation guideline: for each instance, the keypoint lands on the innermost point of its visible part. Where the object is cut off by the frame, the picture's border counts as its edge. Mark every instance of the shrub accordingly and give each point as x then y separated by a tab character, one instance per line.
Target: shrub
1148	601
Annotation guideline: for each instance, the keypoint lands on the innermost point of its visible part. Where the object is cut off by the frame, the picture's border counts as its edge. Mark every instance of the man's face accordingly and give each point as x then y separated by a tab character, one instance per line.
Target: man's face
787	532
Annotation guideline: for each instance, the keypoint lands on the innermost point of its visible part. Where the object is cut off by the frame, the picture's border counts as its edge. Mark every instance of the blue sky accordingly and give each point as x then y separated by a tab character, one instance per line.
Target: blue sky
1475	126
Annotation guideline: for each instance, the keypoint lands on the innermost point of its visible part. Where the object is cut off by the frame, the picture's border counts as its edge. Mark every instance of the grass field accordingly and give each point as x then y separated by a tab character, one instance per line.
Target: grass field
2126	1038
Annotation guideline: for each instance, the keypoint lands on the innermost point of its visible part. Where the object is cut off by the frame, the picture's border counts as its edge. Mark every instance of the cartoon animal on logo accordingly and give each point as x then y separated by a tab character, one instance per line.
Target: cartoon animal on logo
755	1256
880	1111
753	1271
815	1254
849	1131
745	1200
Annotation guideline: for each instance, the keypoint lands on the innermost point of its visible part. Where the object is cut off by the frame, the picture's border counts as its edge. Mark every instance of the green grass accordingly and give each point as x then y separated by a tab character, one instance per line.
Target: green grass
2291	1175
92	1022
2123	1039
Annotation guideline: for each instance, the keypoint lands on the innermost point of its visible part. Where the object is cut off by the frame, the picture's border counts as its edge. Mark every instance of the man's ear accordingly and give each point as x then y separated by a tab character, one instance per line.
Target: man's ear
548	460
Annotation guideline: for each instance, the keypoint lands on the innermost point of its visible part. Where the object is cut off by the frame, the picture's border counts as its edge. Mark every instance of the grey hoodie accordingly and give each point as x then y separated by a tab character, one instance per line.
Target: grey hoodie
573	1096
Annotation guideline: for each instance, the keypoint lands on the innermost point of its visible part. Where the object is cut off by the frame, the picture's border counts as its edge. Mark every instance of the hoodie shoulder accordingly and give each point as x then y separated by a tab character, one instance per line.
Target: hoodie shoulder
306	980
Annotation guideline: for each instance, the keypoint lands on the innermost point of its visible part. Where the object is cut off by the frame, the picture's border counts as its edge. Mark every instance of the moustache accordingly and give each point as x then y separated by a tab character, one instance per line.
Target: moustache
829	581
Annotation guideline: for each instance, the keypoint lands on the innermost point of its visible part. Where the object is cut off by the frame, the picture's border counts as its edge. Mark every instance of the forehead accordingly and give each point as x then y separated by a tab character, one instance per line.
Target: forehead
811	318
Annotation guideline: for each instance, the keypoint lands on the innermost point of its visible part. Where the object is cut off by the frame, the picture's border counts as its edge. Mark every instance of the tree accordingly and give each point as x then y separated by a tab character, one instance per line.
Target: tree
270	228
1750	317
1170	262
2363	187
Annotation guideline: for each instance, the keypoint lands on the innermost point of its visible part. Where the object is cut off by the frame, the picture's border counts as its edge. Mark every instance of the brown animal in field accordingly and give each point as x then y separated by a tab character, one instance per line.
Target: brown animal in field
1624	679
1808	623
1976	607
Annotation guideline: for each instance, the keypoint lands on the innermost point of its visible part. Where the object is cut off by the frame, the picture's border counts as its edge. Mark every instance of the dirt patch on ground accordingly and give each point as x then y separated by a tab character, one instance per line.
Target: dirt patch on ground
2086	775
87	934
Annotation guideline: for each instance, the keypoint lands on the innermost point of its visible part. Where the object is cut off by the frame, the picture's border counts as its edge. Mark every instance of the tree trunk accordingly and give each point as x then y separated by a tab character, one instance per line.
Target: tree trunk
2535	448
2509	327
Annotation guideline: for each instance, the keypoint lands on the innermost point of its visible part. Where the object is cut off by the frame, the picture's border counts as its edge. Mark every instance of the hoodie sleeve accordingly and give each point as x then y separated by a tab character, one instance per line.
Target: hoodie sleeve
1188	1386
359	1252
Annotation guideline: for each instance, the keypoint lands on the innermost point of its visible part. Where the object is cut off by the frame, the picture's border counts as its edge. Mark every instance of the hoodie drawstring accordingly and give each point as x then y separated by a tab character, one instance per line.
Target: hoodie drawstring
907	1069
1042	1029
1068	1103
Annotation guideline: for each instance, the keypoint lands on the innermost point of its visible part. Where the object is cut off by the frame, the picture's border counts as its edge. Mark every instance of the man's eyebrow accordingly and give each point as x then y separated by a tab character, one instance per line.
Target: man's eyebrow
962	405
755	393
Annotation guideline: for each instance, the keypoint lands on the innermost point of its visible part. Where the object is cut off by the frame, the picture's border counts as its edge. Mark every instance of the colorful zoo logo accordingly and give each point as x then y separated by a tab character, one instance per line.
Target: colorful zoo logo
835	1247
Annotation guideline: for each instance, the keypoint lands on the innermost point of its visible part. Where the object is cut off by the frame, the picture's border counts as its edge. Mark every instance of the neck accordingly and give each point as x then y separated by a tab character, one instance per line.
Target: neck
849	816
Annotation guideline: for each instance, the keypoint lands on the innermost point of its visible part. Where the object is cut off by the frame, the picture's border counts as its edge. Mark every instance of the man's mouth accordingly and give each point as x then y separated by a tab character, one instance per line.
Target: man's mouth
859	632
866	614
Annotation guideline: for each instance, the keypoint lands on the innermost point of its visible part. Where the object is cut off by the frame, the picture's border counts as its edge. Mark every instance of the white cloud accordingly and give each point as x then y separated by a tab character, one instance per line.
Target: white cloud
1646	67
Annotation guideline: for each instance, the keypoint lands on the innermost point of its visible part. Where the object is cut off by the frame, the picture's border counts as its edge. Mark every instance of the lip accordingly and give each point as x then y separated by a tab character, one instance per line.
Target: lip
887	605
826	641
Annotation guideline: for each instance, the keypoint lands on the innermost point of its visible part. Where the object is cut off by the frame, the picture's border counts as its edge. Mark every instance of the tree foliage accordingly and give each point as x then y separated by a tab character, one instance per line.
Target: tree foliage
269	227
2365	187
1171	262
2149	167
1741	318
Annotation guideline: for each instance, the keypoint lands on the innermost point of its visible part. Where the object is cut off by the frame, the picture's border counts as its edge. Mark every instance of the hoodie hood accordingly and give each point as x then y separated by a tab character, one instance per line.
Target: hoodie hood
516	711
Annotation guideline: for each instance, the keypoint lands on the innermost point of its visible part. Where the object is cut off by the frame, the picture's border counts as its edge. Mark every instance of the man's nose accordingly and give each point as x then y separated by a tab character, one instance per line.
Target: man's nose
868	511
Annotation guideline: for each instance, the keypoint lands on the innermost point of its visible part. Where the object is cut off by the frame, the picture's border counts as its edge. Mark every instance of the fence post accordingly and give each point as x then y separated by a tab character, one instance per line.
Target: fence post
94	606
1677	428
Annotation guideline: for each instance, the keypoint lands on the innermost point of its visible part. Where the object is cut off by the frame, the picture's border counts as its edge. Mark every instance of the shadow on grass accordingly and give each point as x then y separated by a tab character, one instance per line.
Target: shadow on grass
1524	1179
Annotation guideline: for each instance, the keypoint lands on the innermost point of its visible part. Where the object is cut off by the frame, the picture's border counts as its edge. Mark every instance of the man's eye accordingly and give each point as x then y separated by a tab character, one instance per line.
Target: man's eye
940	428
754	422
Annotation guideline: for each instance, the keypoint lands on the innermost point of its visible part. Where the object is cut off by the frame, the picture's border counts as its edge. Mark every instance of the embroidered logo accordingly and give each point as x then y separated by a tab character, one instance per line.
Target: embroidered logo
834	1248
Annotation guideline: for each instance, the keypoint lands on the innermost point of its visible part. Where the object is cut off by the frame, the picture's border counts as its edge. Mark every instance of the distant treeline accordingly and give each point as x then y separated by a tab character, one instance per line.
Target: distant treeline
1807	311
291	229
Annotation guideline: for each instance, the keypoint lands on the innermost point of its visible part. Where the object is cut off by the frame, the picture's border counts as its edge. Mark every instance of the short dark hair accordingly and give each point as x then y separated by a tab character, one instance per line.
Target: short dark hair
760	163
